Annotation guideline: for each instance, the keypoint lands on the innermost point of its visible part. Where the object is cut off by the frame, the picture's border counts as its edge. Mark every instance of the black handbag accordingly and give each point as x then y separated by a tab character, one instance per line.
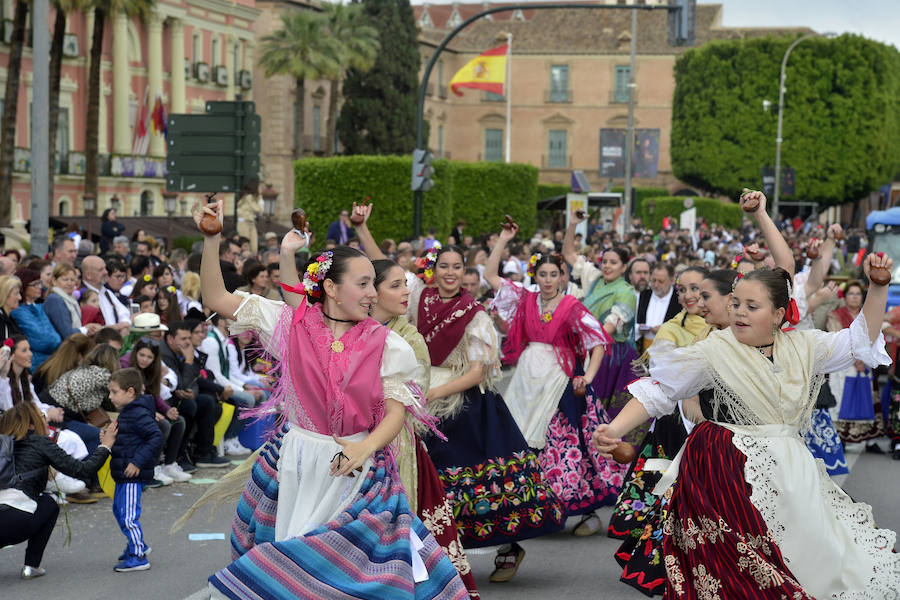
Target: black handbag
826	399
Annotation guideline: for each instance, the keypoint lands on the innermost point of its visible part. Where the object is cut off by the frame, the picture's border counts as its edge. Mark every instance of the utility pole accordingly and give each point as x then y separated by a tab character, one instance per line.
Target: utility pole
40	129
629	134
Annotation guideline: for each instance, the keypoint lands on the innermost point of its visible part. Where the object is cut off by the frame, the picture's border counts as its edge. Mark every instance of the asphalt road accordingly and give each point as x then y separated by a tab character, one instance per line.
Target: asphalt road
557	567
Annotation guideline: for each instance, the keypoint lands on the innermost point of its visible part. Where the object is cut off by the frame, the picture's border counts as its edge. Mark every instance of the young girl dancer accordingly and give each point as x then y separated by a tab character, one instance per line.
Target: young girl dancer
550	336
751	501
495	481
323	501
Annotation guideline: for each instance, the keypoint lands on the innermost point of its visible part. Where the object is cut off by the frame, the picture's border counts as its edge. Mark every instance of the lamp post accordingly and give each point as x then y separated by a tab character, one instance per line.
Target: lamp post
778	138
169	201
270	198
114	203
90	204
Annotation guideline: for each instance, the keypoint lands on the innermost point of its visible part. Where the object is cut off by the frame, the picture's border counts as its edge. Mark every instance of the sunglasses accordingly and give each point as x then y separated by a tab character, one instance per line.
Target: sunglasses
150	341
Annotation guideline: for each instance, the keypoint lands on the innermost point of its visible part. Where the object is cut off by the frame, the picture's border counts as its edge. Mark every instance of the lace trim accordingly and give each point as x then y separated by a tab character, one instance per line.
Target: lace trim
884	581
651	396
871	353
396	388
738	410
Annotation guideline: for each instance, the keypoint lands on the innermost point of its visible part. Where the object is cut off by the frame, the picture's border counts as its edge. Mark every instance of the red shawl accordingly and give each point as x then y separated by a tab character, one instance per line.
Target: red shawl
844	316
565	331
443	324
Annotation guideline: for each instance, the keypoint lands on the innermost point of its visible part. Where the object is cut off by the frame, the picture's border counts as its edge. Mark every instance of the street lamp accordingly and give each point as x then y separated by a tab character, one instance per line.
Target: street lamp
114	203
781	90
169	201
269	198
90	204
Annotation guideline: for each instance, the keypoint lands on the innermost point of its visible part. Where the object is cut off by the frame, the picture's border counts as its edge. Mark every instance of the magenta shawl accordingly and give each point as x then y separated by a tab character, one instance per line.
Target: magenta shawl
443	324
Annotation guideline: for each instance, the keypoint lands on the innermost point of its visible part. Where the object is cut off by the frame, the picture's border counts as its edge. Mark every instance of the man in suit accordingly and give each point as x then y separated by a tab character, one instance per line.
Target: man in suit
341	230
656	305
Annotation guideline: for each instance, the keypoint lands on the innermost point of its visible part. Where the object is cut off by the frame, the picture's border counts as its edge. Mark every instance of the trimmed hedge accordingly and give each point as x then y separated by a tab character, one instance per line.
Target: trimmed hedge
480	193
552	190
641	193
711	210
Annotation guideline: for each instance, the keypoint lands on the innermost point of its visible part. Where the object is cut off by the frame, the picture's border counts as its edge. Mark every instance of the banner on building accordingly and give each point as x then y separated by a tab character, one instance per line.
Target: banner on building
645	159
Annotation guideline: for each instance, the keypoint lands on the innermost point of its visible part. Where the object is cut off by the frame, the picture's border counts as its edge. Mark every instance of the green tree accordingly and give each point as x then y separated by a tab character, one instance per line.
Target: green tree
379	111
841	123
302	50
103	10
10	106
358	45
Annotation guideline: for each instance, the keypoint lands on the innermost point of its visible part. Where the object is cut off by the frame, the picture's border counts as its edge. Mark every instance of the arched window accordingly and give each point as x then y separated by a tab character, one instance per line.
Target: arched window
63	208
146	203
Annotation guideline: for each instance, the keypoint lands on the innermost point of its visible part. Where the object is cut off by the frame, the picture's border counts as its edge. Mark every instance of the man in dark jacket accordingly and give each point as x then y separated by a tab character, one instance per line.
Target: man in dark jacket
228	250
134	455
197	408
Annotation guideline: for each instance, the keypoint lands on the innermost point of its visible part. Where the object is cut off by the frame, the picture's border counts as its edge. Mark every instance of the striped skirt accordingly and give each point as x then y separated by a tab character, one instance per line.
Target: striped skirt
365	552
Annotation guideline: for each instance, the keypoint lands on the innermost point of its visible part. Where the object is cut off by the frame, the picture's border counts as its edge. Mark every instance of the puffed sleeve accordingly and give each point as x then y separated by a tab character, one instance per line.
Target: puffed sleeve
586	272
482	338
400	369
416	287
589	322
259	315
507	299
675	374
839	350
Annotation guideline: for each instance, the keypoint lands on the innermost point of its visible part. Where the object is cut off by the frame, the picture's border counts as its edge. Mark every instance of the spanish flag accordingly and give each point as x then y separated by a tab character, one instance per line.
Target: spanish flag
486	72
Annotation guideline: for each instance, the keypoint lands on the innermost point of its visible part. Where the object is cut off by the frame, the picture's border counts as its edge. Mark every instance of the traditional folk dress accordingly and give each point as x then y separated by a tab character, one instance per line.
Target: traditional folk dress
822	439
300	532
614	301
493	479
638	516
549	351
426	494
852	431
753	514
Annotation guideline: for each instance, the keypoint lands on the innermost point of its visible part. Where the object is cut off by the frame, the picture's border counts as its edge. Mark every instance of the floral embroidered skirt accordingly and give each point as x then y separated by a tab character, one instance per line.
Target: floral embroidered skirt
436	512
366	552
493	480
609	385
716	543
823	441
581	478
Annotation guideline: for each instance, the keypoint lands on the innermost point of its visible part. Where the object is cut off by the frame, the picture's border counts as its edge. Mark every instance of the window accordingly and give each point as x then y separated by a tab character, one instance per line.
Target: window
557	149
237	58
146	203
440	72
559	83
62	208
493	144
215	53
492	97
195	52
62	141
623	75
317	128
440	148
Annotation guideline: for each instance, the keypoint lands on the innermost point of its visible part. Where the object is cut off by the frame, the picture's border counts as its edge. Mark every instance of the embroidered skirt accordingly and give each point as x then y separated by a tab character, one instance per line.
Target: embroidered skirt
376	548
581	478
823	441
609	385
492	478
639	514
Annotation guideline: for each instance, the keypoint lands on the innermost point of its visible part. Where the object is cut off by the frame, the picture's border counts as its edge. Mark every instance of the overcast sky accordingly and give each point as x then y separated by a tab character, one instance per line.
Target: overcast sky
875	19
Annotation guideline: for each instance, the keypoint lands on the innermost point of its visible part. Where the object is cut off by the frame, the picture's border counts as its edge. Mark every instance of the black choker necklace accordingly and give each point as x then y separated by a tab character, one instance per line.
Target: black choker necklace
456	295
330	318
550	299
769	345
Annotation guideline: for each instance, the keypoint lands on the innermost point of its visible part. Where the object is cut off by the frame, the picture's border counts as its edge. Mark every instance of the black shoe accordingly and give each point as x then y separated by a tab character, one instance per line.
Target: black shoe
874	449
186	466
156	483
212	461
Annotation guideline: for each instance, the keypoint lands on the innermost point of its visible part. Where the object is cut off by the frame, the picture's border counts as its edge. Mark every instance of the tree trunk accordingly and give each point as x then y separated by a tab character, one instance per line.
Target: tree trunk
299	112
56	54
332	116
10	109
91	144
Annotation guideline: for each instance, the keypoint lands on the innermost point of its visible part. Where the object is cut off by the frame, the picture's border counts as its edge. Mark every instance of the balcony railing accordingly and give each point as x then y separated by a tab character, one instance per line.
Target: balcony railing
556	95
556	162
442	92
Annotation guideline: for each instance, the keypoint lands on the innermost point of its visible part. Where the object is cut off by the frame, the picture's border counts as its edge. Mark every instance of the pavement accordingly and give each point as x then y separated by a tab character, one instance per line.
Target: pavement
556	567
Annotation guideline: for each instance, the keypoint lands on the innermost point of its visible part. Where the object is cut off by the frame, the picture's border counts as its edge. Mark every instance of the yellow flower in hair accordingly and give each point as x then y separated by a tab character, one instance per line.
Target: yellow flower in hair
312	267
429	273
147	277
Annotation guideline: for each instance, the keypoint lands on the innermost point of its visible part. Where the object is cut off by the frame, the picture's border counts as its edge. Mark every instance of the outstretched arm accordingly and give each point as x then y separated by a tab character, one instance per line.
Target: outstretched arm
492	267
568	249
368	243
212	285
779	248
820	265
876	297
287	262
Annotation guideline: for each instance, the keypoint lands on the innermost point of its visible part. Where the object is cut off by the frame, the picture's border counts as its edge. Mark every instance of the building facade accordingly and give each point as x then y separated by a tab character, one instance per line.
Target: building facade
568	87
186	53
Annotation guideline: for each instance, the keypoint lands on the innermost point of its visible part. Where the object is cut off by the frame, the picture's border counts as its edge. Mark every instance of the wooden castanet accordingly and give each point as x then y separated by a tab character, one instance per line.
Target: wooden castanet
756	255
298	219
209	223
580	213
357	220
749	205
880	276
812	252
509	223
623	453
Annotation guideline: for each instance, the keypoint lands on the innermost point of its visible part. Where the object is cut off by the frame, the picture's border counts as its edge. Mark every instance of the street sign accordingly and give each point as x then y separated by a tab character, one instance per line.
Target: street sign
213	152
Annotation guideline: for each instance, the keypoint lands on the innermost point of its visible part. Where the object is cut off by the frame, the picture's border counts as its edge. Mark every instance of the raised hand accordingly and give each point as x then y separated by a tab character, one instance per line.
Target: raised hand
878	268
753	201
209	217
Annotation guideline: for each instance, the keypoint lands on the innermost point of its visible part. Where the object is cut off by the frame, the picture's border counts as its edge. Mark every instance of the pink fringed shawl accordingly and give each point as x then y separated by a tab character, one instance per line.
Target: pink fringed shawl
566	331
321	389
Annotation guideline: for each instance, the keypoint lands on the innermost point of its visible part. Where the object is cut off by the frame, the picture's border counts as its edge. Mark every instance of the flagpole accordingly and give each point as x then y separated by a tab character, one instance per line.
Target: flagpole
506	87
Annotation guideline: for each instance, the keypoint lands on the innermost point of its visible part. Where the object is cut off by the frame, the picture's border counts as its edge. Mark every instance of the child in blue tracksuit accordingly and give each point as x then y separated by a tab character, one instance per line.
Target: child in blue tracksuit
134	455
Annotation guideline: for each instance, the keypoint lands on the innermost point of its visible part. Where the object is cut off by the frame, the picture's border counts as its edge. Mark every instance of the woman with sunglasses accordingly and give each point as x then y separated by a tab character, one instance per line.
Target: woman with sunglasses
32	320
323	490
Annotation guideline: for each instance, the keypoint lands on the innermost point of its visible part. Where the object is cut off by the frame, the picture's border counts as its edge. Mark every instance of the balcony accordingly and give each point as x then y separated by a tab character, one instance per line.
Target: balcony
442	92
557	96
108	165
556	162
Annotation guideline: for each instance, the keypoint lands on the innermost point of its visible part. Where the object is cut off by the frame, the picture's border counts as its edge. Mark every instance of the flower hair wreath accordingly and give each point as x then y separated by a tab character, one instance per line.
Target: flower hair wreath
315	274
427	262
531	262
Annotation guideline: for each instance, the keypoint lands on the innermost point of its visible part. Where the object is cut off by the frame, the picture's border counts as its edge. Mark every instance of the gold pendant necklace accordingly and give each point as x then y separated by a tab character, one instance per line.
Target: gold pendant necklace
546	314
337	346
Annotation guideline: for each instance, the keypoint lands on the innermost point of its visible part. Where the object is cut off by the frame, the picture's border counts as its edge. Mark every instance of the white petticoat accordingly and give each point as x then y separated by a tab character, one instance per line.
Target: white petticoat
534	392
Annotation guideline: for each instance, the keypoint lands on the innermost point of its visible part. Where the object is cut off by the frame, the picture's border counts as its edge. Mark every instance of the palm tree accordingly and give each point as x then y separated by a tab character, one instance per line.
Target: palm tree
63	8
103	10
359	47
10	106
302	50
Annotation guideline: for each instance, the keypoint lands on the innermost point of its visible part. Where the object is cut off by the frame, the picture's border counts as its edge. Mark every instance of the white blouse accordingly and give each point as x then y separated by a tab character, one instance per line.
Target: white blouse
398	363
682	373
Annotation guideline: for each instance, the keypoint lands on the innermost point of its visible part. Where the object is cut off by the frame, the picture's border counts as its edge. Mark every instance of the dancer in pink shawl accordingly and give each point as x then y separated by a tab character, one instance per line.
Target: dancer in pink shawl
324	514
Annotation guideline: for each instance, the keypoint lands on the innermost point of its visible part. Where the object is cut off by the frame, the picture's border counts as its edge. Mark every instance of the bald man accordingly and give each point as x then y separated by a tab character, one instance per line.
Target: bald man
93	274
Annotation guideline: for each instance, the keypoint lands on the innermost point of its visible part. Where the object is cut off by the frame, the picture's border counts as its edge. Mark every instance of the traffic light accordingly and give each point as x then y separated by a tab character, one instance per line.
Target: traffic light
682	22
422	171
